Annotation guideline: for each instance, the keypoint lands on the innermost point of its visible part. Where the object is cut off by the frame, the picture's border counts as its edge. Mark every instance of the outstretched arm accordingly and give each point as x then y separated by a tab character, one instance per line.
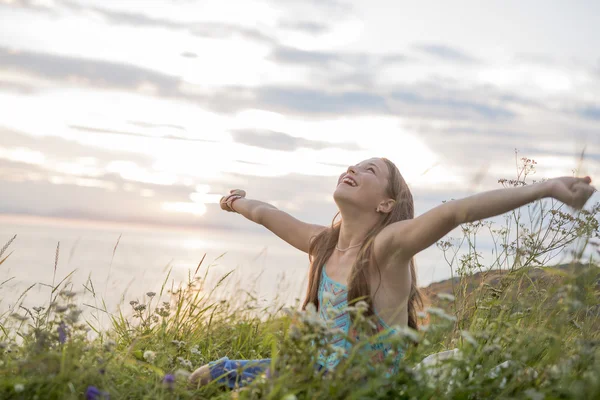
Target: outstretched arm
406	238
282	224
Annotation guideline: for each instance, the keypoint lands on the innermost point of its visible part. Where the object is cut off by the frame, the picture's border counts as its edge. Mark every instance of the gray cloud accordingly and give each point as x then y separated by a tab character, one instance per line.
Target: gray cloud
590	112
284	142
445	52
152	125
53	146
305	26
359	60
451	106
88	72
116	132
16	87
310	101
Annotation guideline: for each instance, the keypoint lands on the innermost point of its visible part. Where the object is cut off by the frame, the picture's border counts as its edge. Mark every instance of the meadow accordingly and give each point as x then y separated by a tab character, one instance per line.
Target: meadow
526	324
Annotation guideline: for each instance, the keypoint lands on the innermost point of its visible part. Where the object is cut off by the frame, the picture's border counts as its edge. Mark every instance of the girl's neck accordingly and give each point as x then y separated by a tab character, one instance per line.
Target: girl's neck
354	230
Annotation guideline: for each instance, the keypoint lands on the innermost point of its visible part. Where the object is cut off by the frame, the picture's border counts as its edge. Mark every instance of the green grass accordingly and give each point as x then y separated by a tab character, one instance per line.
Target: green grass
541	323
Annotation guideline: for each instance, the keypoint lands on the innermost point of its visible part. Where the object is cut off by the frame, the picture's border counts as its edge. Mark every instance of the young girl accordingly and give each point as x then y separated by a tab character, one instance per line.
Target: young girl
369	252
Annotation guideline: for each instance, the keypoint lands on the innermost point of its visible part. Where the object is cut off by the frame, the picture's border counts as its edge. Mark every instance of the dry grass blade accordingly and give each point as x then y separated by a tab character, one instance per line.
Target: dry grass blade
199	264
6	246
4	259
56	256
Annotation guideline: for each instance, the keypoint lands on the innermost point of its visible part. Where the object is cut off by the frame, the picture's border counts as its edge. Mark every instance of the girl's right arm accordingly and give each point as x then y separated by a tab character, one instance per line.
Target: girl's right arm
288	228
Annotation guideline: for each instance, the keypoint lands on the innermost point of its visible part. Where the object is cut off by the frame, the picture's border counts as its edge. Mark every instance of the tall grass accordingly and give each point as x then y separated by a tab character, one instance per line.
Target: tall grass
524	327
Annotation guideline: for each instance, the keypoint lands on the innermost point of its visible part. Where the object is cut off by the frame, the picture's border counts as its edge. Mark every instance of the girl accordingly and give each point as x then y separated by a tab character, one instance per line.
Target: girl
369	252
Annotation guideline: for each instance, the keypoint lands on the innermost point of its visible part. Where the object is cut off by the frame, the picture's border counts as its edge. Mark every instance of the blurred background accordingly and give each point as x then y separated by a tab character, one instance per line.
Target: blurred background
123	123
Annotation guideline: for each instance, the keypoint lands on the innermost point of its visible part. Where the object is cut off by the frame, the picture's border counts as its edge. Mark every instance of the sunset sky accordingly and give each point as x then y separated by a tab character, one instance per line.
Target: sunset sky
122	112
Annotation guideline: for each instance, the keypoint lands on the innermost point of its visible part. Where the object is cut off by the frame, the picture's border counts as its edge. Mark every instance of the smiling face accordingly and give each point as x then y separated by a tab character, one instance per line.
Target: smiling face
364	185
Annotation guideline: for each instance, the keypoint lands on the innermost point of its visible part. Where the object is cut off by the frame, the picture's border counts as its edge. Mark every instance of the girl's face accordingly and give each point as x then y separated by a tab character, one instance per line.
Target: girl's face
363	185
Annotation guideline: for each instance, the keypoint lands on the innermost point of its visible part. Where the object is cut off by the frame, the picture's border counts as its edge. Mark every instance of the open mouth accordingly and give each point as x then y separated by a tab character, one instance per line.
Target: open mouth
349	181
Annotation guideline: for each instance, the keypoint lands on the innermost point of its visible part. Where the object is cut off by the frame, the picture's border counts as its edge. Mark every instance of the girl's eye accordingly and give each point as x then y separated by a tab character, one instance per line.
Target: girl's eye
371	169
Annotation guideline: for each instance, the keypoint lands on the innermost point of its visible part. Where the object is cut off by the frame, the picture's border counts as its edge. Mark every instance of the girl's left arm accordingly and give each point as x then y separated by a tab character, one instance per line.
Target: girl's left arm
406	238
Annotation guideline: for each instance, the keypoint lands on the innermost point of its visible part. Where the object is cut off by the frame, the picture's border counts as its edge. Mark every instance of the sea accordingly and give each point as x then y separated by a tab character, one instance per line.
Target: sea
108	265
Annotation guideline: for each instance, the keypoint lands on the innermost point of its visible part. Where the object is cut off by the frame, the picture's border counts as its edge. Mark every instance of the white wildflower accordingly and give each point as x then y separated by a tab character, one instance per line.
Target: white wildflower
445	296
490	348
19	387
289	397
407	332
534	394
468	337
424	327
194	350
184	362
182	373
421	314
149	356
328	297
440	313
362	305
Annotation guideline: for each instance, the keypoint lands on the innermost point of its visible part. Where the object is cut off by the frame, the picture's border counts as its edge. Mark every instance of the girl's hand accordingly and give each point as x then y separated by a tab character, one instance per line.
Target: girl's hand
574	192
226	201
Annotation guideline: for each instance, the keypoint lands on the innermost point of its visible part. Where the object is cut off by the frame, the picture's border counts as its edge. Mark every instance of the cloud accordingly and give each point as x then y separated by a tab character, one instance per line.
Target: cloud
358	60
590	112
448	106
116	132
445	52
305	26
312	101
284	142
86	72
66	149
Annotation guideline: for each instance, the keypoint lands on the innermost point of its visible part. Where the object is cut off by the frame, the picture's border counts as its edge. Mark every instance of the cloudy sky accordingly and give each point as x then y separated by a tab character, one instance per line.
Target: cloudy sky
117	111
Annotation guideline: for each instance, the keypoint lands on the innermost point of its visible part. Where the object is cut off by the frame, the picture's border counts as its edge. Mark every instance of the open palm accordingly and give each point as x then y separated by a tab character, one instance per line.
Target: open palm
574	192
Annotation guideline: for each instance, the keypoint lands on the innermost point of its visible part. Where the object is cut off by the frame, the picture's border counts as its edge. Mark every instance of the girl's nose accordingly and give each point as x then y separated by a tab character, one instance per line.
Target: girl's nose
352	169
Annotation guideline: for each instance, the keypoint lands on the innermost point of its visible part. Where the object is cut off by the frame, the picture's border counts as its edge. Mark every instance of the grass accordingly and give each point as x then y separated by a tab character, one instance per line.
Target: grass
524	329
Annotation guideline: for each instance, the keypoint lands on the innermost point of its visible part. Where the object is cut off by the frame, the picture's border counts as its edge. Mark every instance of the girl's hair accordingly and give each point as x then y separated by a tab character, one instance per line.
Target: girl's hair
323	244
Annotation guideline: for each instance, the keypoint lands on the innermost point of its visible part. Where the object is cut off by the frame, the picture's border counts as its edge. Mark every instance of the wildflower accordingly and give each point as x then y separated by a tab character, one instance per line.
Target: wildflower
362	305
468	337
534	394
93	393
184	362
295	333
38	309
19	387
73	316
61	309
108	346
141	307
328	297
311	308
407	332
182	373
169	380
445	296
194	350
179	343
149	356
67	294
150	294
440	313
62	333
421	314
289	397
134	303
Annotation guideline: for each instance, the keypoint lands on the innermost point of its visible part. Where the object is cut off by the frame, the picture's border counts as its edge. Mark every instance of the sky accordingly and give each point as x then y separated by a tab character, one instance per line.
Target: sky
115	111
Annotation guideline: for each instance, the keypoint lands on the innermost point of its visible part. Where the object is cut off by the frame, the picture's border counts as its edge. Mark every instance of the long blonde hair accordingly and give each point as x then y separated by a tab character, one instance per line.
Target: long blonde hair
323	244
